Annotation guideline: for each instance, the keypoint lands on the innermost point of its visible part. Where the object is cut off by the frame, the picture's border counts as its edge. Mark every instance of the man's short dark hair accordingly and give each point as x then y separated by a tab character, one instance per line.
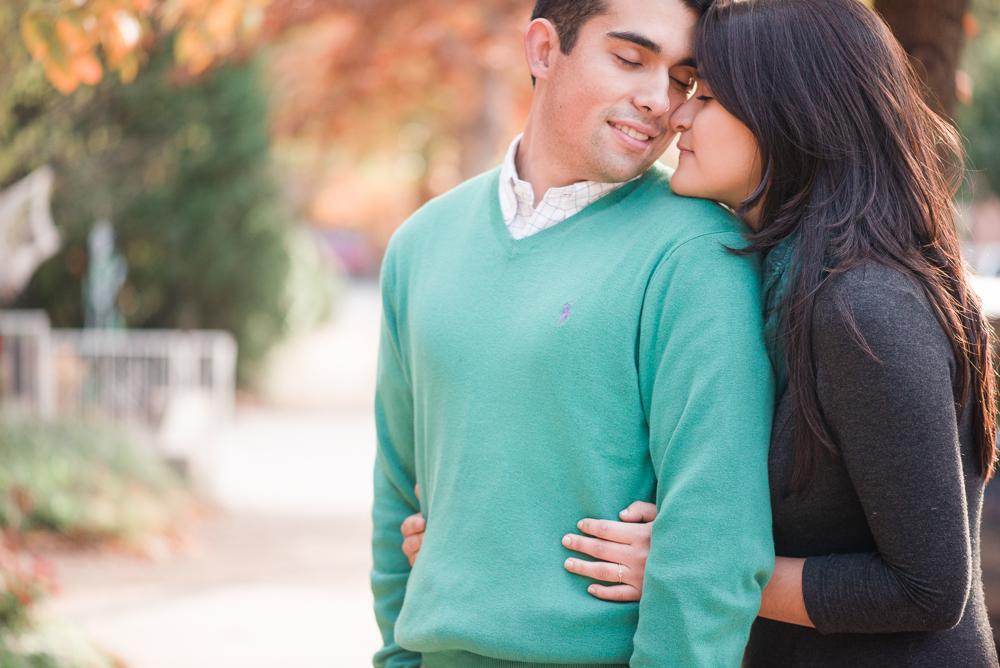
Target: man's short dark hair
568	16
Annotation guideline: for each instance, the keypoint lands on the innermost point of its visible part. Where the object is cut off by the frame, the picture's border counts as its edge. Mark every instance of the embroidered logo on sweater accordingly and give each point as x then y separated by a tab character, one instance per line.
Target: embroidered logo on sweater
564	316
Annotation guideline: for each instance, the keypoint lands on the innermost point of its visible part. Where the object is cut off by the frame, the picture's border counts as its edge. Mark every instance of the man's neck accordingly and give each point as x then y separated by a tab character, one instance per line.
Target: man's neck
537	164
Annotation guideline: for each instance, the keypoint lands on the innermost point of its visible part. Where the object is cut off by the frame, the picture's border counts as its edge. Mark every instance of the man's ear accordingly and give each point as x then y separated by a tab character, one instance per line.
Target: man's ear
541	46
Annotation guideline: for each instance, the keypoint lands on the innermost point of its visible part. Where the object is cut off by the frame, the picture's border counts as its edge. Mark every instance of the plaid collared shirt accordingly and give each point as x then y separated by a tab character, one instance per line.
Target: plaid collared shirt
517	199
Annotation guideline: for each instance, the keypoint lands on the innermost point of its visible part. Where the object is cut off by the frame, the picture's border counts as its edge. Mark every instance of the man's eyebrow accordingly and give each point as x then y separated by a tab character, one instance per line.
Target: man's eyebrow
638	40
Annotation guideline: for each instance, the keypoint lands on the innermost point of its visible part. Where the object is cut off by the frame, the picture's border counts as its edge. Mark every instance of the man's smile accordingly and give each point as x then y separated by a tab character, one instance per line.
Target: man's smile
638	137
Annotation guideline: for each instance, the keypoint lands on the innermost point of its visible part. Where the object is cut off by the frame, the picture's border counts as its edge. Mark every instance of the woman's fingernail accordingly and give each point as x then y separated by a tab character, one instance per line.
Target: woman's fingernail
592	588
566	541
624	513
579	525
569	564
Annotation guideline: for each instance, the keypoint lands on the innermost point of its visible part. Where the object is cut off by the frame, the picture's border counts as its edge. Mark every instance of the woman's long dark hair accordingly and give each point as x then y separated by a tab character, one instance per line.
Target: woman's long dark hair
859	168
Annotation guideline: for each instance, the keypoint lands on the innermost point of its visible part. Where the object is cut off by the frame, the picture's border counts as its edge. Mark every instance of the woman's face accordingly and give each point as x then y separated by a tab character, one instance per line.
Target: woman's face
718	154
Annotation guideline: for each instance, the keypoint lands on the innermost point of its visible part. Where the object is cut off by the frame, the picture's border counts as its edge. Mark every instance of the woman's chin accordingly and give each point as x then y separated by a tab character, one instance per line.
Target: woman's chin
683	187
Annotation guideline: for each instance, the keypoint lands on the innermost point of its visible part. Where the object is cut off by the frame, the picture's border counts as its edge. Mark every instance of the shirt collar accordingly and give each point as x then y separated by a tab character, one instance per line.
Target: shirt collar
517	195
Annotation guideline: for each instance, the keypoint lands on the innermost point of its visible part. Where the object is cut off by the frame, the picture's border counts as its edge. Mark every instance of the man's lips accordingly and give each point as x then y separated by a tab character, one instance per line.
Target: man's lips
635	135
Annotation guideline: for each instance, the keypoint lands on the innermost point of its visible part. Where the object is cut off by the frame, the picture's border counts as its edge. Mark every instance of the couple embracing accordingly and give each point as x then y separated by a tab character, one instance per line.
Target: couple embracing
771	359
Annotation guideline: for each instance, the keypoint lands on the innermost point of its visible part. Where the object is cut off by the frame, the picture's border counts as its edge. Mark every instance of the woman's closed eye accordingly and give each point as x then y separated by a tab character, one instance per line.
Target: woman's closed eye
683	85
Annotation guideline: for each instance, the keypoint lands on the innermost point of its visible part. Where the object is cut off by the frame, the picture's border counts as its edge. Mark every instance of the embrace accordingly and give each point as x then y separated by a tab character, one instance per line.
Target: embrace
771	358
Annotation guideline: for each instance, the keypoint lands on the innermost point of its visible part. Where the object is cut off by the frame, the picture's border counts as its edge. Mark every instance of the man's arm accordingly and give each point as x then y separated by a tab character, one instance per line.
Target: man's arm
395	478
708	392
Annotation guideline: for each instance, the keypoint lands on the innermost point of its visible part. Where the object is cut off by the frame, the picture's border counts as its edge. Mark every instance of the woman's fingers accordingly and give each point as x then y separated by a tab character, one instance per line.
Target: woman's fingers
620	547
599	549
616	532
413	535
411	547
413	524
599	570
619	593
640	511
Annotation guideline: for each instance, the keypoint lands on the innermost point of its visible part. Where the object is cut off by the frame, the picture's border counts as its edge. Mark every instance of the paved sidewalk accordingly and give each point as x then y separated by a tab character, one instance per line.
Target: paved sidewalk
255	592
305	463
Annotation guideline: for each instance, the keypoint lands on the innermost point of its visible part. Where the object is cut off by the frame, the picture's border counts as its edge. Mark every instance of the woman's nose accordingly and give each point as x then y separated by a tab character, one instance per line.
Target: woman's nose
680	118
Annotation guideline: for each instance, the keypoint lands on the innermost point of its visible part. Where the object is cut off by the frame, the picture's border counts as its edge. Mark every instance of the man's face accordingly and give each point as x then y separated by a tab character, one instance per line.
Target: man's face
609	100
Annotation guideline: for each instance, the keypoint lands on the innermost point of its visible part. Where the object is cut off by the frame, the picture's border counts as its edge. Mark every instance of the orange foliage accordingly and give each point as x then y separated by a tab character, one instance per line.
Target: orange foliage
358	68
436	88
69	38
386	103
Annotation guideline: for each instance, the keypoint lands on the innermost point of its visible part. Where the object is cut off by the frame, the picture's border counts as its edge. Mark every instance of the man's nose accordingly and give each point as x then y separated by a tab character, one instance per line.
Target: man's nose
654	97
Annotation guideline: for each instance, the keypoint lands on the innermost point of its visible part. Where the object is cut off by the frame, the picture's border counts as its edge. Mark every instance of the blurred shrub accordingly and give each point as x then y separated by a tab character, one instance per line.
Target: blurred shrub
181	168
54	646
23	581
24	643
980	120
83	483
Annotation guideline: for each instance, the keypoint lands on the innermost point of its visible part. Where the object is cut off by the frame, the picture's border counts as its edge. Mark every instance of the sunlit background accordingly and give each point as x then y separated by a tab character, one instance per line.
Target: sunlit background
195	196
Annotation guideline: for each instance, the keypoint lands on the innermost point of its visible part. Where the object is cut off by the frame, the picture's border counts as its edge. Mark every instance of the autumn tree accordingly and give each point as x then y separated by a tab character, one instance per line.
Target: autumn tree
979	115
76	41
180	164
933	34
69	38
360	71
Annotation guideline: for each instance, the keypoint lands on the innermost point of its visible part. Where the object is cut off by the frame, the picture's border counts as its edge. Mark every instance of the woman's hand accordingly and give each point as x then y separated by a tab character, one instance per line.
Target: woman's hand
413	528
625	543
413	535
621	547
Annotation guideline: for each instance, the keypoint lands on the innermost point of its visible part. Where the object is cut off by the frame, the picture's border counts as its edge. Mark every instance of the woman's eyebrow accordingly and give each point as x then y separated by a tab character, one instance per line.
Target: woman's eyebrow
638	40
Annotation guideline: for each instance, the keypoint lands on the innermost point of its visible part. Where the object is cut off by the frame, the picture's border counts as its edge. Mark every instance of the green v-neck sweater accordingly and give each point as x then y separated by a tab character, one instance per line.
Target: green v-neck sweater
528	384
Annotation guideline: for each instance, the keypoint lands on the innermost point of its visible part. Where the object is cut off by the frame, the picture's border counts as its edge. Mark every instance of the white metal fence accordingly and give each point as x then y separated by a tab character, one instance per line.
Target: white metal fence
26	372
129	377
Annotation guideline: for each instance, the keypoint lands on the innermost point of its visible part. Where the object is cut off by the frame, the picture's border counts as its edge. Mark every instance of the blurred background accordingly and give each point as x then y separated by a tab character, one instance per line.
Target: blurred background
195	196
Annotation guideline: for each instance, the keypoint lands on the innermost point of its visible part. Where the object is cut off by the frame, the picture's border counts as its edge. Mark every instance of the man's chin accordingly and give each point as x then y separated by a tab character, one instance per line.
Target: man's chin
625	165
624	170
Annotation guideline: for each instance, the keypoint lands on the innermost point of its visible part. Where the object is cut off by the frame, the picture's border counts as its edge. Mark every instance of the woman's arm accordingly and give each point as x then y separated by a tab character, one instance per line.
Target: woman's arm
782	598
627	542
614	544
891	410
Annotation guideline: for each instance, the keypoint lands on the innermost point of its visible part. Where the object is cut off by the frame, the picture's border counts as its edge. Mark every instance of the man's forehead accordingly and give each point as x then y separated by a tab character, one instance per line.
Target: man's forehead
662	27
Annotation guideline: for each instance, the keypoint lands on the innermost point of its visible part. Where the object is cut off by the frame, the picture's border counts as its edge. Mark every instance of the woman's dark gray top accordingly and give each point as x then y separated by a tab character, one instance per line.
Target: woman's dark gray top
890	529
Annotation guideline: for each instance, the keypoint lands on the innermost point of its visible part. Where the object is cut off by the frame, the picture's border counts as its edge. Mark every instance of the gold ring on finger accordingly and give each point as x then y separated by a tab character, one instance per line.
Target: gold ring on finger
619	573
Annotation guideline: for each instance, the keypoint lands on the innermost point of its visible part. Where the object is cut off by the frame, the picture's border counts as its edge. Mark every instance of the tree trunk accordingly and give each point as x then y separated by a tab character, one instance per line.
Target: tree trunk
932	33
480	138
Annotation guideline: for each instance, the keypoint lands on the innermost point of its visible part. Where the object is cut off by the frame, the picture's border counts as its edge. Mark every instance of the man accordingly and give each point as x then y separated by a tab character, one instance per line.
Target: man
563	336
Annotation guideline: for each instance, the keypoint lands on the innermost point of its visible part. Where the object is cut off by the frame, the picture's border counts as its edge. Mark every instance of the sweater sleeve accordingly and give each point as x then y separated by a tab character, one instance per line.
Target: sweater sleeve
395	477
891	412
708	393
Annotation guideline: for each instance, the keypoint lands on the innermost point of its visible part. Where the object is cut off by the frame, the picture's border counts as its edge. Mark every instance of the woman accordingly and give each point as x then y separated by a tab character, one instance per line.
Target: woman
806	121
